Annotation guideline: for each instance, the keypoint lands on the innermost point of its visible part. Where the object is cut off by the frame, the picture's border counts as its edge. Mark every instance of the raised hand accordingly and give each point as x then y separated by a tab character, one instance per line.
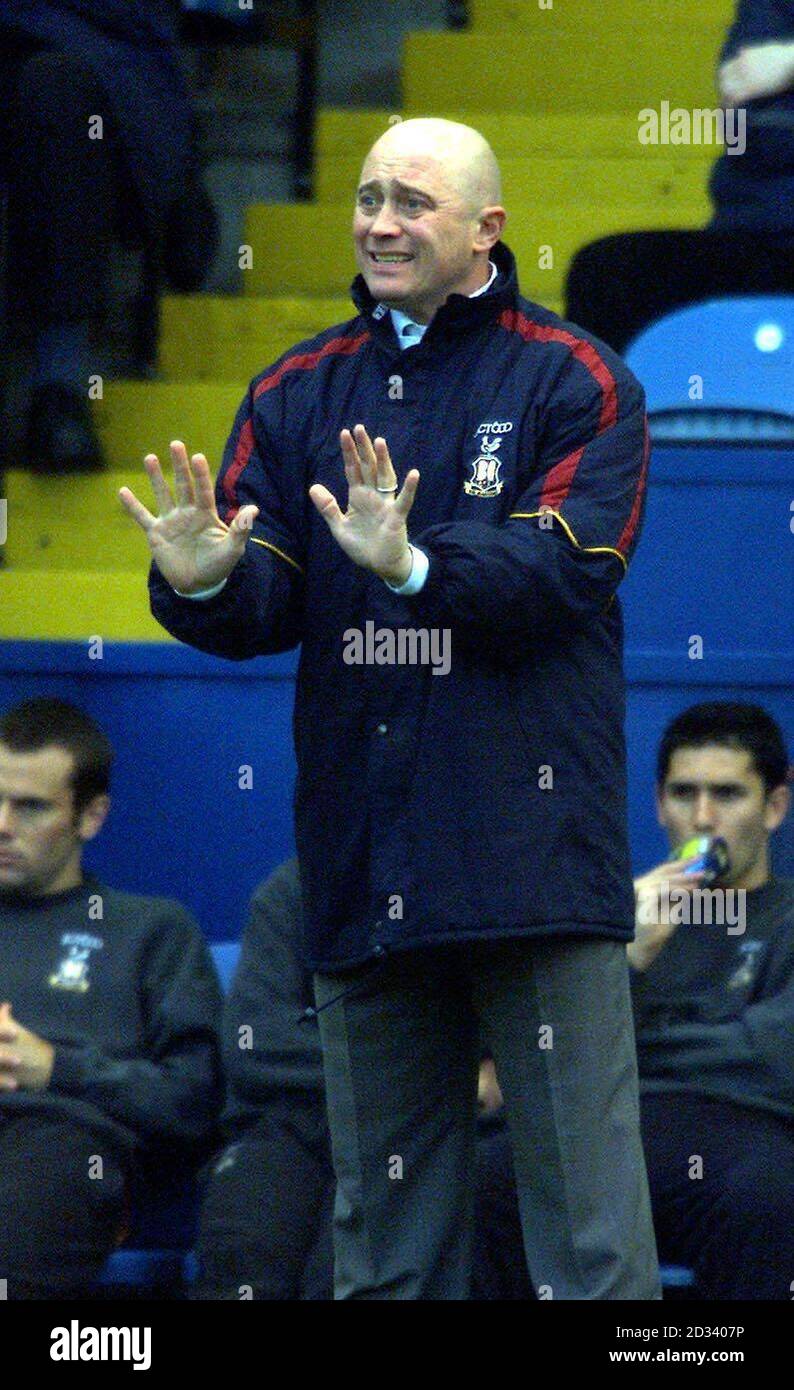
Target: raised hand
652	925
373	530
192	548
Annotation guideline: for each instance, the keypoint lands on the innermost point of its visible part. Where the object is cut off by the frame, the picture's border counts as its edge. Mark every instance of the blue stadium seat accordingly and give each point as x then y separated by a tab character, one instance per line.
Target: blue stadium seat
226	955
676	1277
143	1269
720	370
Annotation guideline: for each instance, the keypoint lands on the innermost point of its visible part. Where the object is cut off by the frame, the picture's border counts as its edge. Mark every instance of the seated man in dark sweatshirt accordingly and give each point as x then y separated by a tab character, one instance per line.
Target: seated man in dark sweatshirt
714	1018
714	1011
109	1011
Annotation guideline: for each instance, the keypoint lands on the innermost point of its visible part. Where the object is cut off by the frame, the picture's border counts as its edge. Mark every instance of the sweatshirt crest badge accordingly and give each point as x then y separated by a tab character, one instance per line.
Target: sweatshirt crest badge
71	971
485	480
744	976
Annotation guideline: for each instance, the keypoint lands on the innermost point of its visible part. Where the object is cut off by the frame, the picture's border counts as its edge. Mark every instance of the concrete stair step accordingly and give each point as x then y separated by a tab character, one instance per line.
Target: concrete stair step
38	605
306	248
223	337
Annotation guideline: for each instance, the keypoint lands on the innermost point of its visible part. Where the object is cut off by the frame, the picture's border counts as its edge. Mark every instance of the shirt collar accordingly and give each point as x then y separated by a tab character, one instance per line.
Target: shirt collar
408	332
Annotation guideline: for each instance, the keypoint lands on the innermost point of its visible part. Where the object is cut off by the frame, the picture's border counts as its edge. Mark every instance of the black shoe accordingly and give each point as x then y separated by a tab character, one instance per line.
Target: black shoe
61	436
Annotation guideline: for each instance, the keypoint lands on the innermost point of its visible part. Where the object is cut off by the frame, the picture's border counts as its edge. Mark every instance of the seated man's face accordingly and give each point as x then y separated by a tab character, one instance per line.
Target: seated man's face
716	791
40	839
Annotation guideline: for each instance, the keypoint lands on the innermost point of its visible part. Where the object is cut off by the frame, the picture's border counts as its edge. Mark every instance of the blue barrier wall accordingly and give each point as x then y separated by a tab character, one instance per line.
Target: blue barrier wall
716	561
182	724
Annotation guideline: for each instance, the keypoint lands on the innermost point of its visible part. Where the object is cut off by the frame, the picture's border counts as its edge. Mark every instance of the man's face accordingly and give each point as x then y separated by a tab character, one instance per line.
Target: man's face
716	791
408	208
41	838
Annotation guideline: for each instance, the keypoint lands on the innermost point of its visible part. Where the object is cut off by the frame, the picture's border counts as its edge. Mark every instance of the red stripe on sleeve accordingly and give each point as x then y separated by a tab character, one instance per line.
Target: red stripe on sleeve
300	361
558	480
627	534
516	322
305	361
242	453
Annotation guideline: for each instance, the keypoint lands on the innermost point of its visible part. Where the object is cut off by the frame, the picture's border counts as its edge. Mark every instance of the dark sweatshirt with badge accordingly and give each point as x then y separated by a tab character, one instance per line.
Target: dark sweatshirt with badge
714	1014
424	812
125	989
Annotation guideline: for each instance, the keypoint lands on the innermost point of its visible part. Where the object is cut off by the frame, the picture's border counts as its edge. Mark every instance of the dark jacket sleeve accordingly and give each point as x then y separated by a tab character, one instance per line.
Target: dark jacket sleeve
565	547
271	1057
759	21
260	609
173	1093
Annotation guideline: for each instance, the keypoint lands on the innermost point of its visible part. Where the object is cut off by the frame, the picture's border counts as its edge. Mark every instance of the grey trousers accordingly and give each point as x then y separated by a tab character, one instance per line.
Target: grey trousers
401	1052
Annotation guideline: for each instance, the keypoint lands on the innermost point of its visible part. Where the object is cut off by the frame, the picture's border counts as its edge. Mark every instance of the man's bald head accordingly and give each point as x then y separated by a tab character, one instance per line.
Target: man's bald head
427	215
468	162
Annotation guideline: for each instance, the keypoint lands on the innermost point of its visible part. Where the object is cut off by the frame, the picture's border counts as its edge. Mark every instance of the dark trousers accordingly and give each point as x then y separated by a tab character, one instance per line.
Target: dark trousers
734	1226
58	1224
265	1222
619	284
499	1269
401	1050
65	192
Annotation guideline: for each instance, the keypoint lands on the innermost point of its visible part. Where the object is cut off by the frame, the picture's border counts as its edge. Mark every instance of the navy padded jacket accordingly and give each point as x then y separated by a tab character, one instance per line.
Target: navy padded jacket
490	801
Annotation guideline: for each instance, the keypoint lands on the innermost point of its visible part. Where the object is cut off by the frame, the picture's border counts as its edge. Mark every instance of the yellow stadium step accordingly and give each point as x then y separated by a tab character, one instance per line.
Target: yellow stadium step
518	135
38	605
234	337
327	225
549	182
75	522
527	15
342	129
139	417
531	235
566	70
184	356
299	248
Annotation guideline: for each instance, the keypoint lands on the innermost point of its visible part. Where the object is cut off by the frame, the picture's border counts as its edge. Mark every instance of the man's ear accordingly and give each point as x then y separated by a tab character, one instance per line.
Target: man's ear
93	816
776	808
492	221
659	795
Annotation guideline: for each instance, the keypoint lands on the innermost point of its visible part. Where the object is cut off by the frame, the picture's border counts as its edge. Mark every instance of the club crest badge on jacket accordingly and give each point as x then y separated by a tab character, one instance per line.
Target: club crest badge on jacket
485	480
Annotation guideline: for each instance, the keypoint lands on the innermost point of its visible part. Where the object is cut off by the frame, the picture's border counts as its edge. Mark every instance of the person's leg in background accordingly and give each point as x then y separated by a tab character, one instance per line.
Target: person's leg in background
499	1272
264	1214
62	188
722	1189
60	1214
618	285
557	1017
401	1055
317	1283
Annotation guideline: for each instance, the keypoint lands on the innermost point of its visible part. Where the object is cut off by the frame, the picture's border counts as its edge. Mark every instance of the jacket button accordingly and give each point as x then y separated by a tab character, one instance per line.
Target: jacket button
383	728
